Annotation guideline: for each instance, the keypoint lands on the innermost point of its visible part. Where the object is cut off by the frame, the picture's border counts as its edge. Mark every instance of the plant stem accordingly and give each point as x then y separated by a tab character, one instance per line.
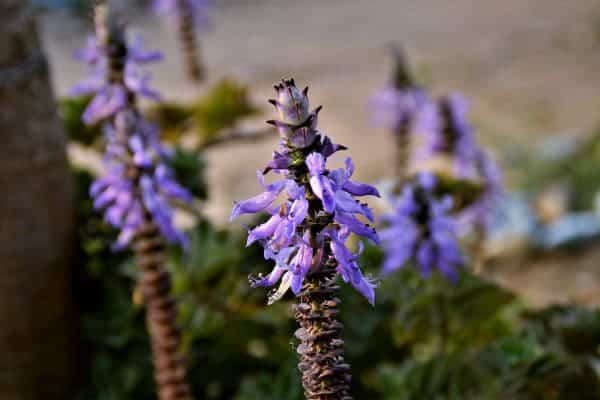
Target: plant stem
325	374
402	155
188	42
161	316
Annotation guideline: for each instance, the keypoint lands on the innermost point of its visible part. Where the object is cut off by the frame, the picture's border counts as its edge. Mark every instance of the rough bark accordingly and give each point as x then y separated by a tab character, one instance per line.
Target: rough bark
36	221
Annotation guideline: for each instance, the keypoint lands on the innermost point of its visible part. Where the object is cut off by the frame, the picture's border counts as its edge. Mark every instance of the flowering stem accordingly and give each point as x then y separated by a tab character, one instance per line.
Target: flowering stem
161	315
402	79
188	42
325	374
147	233
306	236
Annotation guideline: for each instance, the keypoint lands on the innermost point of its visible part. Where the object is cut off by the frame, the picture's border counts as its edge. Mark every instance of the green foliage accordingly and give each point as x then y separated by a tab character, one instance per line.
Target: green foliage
282	385
464	192
71	110
568	329
113	329
189	167
425	339
511	368
171	118
221	108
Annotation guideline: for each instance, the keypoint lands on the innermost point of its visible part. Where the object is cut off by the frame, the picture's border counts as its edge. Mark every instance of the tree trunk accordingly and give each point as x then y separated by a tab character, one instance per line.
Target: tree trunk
36	221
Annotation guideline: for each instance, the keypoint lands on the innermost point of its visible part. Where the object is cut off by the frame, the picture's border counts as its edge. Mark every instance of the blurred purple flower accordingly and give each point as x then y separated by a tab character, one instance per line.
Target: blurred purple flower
137	183
446	132
110	96
396	109
421	229
300	233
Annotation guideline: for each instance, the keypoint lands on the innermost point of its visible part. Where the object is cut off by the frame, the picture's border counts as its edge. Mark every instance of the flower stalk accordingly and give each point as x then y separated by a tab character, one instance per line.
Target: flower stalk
137	185
397	107
306	238
188	41
325	374
402	80
170	370
188	16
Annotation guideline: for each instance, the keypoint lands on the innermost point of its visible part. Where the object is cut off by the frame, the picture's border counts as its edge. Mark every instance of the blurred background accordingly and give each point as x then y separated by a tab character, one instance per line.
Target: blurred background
526	327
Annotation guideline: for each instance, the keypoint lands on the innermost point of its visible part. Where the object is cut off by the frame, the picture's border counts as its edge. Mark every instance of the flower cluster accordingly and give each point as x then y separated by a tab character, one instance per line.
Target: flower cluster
138	183
111	91
318	210
447	132
421	229
199	9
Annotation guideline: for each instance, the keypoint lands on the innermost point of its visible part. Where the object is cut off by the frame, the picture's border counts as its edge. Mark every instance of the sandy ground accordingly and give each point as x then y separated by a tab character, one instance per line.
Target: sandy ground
530	67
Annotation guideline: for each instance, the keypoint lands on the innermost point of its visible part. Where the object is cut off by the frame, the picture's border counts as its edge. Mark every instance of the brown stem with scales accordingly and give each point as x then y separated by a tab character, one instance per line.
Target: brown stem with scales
161	315
325	374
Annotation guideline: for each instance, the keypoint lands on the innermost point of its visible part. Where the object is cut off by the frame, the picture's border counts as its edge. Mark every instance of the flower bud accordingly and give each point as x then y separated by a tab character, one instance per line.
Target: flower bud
298	126
291	103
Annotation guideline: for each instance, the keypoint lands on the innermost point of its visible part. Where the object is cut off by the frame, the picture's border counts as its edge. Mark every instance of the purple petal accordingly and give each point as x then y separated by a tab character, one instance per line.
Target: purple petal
270	280
91	85
253	204
356	226
323	189
105	198
302	263
349	167
298	211
106	103
124	238
360	189
99	185
328	148
315	163
283	235
366	287
279	162
265	230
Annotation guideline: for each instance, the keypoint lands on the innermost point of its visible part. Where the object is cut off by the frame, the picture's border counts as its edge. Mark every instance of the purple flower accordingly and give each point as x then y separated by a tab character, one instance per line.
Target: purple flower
260	202
421	229
347	263
331	188
446	132
129	189
138	185
313	209
397	108
111	90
